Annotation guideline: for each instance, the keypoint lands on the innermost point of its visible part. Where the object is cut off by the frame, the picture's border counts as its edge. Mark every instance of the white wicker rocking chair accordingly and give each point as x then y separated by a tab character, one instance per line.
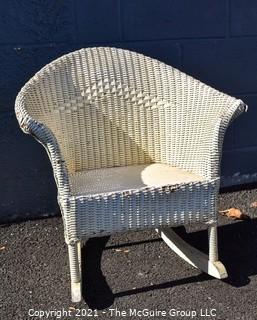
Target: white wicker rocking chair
134	144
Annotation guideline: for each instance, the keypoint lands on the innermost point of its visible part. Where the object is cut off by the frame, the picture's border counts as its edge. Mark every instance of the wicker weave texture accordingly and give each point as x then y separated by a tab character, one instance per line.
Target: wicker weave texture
146	208
108	180
105	107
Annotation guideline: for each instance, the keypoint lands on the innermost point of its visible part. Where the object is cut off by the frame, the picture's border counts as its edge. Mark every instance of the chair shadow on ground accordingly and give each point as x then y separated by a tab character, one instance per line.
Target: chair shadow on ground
237	250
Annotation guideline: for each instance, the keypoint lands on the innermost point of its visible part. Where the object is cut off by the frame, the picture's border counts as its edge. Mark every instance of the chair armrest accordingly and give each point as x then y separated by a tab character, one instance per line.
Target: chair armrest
217	137
45	137
202	150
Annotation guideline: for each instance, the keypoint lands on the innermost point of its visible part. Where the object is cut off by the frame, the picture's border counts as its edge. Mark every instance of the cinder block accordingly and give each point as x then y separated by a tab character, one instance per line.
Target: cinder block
165	51
228	143
243	17
239	167
98	20
18	64
229	65
28	187
148	19
245	125
33	22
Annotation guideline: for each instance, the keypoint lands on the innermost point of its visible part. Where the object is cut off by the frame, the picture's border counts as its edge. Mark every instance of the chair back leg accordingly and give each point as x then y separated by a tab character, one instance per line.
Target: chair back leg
213	243
209	264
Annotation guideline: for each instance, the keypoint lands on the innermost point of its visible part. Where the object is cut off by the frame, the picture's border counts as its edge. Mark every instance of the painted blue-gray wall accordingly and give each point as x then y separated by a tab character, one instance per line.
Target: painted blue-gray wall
215	41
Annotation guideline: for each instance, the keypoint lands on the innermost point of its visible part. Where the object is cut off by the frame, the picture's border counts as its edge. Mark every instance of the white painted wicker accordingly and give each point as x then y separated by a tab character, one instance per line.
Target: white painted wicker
108	113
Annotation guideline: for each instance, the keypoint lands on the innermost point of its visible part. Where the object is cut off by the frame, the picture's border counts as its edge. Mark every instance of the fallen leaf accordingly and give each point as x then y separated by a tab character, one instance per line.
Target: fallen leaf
2	248
72	308
235	213
122	250
253	204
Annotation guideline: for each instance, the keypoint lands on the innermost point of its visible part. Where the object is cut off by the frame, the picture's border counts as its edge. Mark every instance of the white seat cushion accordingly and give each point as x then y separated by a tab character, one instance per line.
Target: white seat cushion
128	178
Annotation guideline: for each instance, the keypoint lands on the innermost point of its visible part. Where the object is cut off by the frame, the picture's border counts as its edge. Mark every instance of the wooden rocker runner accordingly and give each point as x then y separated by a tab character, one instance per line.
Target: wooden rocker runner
134	144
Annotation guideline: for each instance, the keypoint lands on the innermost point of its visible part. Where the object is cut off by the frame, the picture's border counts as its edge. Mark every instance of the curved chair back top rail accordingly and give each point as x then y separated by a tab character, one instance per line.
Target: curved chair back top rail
105	107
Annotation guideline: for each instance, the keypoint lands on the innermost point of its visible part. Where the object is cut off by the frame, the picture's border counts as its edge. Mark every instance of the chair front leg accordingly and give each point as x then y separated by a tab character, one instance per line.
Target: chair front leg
75	271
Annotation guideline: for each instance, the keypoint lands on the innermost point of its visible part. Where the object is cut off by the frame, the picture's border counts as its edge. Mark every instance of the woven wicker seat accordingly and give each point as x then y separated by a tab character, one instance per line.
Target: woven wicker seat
129	178
134	144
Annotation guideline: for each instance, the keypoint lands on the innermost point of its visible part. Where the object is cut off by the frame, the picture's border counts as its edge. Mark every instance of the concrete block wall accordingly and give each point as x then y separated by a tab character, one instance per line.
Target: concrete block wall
215	41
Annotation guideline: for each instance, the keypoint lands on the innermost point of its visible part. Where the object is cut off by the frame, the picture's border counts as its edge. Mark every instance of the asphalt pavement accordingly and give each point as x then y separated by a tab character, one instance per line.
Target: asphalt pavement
129	276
